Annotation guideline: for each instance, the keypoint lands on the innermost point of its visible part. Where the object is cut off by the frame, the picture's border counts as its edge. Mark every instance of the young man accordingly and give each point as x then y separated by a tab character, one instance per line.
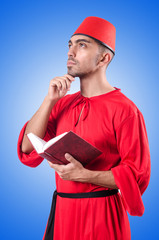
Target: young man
87	204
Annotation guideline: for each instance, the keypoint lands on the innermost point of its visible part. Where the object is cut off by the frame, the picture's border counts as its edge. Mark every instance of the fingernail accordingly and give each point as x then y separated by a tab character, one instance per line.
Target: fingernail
67	155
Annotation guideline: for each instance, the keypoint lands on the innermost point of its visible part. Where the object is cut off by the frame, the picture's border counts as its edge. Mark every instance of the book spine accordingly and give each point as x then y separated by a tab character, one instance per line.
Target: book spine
50	158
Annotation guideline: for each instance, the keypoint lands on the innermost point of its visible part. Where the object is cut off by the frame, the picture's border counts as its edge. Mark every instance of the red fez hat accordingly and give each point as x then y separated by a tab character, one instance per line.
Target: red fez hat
99	29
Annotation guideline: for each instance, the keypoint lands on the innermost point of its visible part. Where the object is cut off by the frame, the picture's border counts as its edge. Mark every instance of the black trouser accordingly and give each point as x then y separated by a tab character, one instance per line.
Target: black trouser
50	226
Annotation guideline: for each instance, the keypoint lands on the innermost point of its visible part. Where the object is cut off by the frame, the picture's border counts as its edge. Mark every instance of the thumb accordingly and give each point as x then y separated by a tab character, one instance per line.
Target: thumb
69	157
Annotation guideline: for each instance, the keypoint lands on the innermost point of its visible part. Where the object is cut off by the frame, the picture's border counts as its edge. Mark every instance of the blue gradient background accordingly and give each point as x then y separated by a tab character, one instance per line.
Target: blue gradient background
33	50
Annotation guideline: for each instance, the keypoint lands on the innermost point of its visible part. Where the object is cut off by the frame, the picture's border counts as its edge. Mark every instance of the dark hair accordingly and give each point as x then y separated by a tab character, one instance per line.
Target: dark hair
103	49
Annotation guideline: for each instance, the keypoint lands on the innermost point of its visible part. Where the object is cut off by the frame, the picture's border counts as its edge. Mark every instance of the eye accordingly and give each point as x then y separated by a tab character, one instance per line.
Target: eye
69	45
82	45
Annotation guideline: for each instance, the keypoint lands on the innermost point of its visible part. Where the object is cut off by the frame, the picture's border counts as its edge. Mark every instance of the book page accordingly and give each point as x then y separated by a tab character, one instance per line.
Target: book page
37	142
53	140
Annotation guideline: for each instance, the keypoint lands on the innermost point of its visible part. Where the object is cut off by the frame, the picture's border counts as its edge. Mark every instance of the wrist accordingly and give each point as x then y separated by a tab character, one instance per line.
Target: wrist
50	102
87	175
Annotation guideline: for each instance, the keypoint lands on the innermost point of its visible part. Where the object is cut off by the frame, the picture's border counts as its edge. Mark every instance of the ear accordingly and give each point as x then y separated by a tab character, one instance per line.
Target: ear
105	59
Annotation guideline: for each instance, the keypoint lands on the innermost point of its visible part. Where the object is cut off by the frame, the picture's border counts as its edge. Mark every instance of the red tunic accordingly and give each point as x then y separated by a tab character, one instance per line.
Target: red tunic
112	123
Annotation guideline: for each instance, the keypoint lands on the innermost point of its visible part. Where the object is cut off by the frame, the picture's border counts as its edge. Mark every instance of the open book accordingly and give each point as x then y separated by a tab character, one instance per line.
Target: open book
54	150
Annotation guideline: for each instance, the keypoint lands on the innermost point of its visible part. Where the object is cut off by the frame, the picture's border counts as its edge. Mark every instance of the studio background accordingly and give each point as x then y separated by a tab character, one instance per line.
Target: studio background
33	49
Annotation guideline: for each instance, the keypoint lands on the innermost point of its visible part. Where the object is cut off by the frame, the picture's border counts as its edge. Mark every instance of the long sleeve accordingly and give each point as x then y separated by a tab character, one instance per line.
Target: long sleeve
133	173
33	159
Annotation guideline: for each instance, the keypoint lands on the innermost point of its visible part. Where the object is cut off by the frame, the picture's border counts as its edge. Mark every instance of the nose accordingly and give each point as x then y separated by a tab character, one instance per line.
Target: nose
71	51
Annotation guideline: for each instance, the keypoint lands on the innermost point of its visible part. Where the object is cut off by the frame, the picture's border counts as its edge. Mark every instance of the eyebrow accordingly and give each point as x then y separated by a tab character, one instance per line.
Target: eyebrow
80	40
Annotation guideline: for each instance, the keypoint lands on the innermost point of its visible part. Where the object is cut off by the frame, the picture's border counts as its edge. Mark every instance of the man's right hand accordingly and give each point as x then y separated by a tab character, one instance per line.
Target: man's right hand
59	86
38	123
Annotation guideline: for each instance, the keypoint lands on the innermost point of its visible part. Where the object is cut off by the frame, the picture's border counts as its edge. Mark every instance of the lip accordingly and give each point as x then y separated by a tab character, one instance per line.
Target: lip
69	63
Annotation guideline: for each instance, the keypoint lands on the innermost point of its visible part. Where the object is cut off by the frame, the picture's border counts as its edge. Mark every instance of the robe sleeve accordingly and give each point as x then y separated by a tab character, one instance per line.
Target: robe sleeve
132	175
33	159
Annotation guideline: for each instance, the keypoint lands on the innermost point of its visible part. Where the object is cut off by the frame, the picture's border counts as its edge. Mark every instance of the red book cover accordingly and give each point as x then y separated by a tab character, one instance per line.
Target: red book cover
68	142
71	143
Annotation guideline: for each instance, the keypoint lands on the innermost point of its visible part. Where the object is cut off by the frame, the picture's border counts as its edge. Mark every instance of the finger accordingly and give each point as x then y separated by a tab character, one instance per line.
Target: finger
68	84
69	77
51	164
56	167
65	83
61	84
66	79
56	83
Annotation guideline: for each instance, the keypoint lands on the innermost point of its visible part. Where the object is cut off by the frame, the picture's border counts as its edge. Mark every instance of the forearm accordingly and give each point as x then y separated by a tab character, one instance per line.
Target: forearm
74	171
37	124
101	178
58	88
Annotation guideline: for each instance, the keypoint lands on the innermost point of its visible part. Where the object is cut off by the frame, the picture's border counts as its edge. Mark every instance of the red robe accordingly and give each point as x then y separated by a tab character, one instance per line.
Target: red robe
112	123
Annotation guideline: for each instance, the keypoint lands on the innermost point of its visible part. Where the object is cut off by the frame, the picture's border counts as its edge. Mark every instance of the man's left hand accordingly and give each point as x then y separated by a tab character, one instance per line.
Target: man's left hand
73	171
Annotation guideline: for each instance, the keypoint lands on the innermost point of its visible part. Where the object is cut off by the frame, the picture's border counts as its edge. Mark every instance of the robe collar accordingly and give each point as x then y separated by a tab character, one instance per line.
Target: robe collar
85	109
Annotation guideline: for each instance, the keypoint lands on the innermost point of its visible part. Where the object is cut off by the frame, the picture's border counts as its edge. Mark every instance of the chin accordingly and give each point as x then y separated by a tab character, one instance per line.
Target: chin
75	74
72	73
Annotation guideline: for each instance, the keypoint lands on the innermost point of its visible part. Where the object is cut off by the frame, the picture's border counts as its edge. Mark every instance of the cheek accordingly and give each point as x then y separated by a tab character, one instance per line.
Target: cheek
91	62
87	62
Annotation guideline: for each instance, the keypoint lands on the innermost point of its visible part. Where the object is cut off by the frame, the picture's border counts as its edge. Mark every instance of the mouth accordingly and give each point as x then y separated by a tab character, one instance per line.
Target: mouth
70	63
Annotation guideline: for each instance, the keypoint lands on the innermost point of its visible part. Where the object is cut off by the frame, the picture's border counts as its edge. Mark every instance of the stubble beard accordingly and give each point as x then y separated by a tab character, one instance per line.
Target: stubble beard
74	73
79	72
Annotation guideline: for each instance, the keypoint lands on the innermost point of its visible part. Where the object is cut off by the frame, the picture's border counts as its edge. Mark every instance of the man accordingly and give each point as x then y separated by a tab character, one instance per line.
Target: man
87	204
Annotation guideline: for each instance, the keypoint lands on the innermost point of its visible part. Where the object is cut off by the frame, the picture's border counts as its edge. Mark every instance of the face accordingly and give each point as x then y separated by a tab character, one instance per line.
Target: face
83	56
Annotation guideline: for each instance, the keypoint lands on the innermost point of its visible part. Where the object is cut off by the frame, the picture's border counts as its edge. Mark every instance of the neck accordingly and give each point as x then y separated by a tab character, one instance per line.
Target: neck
94	84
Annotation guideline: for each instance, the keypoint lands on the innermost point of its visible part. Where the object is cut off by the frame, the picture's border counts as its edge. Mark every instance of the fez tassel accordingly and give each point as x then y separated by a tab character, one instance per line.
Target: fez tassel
49	233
